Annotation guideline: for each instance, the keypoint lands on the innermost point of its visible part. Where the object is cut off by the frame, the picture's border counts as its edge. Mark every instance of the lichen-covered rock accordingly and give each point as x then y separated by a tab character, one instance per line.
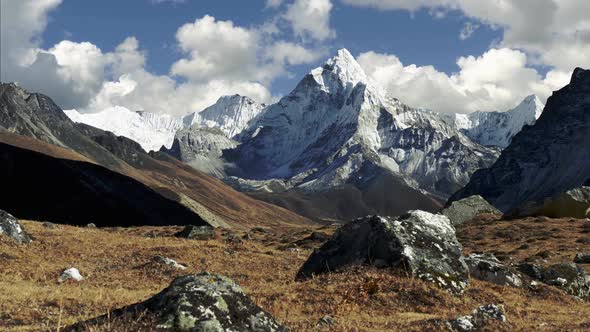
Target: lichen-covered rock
478	319
488	268
11	227
72	274
467	208
570	277
420	242
199	302
582	258
197	232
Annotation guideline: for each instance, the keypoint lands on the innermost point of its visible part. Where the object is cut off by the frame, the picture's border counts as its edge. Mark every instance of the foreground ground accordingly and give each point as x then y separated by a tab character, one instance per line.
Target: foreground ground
115	263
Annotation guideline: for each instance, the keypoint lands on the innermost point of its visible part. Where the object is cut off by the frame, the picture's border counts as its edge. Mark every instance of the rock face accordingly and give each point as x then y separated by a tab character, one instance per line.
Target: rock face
573	203
488	268
545	159
201	148
467	208
11	227
478	319
200	302
420	242
197	232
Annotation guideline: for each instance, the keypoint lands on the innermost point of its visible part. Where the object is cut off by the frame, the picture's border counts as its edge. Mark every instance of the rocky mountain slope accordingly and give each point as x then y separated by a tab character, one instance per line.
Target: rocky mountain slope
497	128
37	117
545	159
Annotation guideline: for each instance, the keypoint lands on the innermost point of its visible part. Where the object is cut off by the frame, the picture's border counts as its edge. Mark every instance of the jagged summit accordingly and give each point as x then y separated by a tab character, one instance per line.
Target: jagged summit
343	69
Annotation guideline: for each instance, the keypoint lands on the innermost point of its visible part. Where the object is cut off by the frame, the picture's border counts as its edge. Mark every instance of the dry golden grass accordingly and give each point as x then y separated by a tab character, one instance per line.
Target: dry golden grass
113	261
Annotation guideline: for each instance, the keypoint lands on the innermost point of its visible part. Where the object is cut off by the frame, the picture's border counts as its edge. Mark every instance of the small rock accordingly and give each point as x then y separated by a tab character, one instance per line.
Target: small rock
247	237
70	274
488	268
10	226
582	258
169	262
420	242
199	302
570	277
91	225
478	319
326	321
197	232
467	208
260	230
49	225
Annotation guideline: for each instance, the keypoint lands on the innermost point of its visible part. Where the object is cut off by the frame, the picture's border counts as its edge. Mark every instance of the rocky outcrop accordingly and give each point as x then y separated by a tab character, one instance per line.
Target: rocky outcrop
570	277
478	320
11	227
467	208
197	232
573	203
420	242
488	268
545	159
200	302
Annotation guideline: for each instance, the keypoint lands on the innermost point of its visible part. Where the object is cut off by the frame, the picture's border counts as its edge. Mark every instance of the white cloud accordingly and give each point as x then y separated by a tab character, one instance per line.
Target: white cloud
273	3
494	81
311	19
555	33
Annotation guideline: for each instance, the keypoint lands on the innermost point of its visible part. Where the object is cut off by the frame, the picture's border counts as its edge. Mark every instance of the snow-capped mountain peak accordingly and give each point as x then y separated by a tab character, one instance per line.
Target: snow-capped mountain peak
340	71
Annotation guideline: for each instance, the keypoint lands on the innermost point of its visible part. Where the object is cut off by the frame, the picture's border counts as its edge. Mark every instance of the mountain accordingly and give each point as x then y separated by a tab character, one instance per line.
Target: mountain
202	148
545	159
230	114
497	128
337	123
150	130
33	122
75	192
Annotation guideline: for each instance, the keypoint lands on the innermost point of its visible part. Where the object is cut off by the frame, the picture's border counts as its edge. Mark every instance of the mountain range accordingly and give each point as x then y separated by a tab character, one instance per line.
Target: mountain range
336	135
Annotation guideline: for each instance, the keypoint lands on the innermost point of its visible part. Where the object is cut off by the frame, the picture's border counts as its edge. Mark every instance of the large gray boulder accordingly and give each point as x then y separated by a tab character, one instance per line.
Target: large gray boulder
488	268
466	209
420	242
570	277
573	203
11	227
199	302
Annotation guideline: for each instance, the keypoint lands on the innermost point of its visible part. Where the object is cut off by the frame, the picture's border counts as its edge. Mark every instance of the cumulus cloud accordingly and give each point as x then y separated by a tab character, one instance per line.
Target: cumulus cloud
311	19
468	30
553	33
495	81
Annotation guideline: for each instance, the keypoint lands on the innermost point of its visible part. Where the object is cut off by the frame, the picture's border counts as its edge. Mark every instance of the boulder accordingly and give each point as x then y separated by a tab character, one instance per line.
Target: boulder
197	232
582	258
168	262
570	277
467	208
488	268
11	227
478	319
199	302
573	203
422	243
70	274
532	270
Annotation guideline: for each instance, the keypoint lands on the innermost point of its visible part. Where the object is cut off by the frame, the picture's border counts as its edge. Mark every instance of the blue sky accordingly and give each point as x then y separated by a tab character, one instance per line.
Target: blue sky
179	56
416	37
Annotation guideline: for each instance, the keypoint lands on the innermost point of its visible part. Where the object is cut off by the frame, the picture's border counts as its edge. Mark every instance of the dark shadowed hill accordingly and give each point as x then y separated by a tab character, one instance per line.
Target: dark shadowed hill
41	187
